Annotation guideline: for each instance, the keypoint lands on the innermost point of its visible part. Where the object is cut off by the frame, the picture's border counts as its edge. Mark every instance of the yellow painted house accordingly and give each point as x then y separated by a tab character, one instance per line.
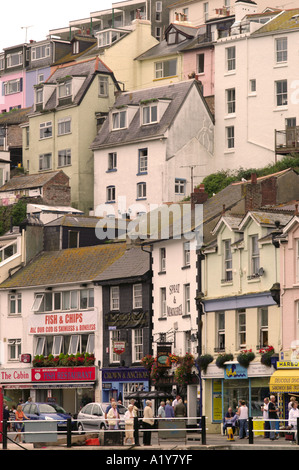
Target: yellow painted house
68	110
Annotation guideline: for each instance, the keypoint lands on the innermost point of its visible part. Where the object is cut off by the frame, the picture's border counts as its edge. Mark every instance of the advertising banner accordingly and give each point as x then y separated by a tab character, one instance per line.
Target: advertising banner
55	323
63	374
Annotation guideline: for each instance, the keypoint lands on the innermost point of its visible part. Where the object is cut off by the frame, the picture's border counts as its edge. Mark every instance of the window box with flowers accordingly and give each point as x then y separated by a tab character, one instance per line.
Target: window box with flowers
64	360
266	355
222	359
245	357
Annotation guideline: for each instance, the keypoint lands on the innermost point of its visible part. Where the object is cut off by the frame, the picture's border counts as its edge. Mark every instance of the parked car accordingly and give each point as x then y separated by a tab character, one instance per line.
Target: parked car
92	417
48	411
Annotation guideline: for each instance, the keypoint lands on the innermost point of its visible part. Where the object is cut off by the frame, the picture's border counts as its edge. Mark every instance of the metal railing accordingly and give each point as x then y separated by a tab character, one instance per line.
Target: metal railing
199	427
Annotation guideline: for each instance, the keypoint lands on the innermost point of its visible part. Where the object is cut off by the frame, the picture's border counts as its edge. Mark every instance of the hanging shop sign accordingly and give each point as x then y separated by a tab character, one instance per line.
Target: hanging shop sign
120	321
163	351
78	322
63	374
119	347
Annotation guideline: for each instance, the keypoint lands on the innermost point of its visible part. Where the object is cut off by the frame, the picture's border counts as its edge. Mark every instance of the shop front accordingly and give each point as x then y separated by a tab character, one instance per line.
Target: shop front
120	382
284	383
223	388
69	387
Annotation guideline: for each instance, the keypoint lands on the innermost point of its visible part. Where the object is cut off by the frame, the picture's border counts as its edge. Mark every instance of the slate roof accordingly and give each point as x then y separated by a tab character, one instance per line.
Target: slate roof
176	93
164	49
66	266
283	21
85	68
69	220
133	263
29	181
15	116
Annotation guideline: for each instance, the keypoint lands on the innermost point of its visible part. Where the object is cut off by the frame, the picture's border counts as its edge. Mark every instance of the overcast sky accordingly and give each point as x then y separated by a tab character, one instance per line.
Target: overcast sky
41	17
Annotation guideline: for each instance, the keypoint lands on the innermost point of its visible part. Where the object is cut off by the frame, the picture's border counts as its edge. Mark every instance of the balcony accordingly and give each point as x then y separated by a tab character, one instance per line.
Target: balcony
287	140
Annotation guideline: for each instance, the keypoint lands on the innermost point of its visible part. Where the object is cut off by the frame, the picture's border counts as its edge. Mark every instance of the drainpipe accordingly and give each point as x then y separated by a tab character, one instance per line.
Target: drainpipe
199	307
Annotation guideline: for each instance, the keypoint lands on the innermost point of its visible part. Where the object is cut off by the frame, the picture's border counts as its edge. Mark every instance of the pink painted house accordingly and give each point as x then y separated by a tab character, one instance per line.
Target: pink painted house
289	285
200	64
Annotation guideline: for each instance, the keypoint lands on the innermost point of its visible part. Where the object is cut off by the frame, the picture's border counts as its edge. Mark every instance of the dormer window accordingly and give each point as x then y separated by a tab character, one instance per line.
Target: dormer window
150	113
39	93
40	52
76	47
65	89
119	119
174	36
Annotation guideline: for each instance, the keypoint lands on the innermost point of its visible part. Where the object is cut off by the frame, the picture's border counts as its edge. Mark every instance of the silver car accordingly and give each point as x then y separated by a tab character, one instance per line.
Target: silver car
92	417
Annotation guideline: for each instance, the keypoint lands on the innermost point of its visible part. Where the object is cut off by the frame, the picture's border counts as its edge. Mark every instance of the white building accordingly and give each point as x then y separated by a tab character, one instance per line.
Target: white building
160	140
256	88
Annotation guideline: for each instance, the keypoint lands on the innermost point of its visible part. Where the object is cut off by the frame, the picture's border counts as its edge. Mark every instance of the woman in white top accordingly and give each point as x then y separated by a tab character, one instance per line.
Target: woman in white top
293	415
129	424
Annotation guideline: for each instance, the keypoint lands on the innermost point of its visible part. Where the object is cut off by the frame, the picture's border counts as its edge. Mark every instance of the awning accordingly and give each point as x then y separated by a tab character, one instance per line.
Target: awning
284	381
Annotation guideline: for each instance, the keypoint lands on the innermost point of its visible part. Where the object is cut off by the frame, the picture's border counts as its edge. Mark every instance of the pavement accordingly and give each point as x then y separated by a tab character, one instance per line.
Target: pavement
192	444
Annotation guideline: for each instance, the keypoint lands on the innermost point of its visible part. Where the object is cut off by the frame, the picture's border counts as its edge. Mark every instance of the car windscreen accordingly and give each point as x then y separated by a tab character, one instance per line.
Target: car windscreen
45	408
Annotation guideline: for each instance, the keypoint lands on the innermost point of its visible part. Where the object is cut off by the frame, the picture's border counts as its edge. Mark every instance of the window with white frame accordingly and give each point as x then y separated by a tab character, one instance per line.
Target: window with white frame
2	63
71	344
137	352
206	11
167	68
15	304
45	130
39	95
227	258
14	349
64	157
40	52
45	161
119	120
186	299
281	49
150	113
65	89
230	137
76	47
180	186
12	60
281	90
57	345
103	86
231	101
241	321
8	250
220	331
188	342
64	126
40	78
137	296
114	298
163	311
12	86
86	298
74	346
158	33
112	161
255	255
141	190
40	346
186	253
263	327
142	160
114	336
162	253
230	58
110	193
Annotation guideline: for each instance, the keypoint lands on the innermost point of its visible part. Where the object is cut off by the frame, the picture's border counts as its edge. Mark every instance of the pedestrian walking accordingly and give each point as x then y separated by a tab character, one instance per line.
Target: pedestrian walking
243	420
20	416
293	415
148	423
273	417
129	424
113	416
265	411
169	412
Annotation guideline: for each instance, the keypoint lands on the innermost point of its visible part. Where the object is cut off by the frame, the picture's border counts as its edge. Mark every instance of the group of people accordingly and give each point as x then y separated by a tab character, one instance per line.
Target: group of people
240	416
176	409
15	419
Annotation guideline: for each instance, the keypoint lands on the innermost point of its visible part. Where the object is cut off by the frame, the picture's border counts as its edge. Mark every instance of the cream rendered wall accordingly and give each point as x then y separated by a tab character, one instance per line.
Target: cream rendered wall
83	131
120	56
214	289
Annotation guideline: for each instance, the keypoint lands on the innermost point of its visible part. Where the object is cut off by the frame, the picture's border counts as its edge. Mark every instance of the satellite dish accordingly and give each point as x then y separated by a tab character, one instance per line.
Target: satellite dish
261	271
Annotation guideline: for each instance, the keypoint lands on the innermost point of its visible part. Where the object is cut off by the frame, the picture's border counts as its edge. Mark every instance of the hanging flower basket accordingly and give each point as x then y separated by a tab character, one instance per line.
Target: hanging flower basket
266	355
147	362
203	362
222	358
245	358
183	373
